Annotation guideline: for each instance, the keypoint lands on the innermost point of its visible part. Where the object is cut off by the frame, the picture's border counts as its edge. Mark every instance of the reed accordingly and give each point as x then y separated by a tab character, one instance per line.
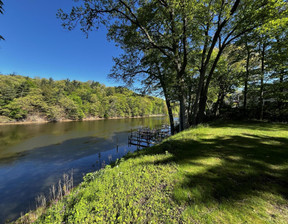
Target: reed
64	187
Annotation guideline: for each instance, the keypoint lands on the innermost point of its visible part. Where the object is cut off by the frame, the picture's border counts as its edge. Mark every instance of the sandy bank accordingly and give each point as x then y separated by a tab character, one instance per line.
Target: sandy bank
42	121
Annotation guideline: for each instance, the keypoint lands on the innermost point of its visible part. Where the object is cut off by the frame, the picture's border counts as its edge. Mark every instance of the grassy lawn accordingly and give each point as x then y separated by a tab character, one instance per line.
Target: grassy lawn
222	173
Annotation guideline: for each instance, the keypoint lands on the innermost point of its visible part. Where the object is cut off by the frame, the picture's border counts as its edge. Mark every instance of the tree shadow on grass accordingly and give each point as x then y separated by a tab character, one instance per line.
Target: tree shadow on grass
228	169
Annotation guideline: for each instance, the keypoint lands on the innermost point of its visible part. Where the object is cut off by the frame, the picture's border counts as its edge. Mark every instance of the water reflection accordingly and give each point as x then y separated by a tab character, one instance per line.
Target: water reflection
33	157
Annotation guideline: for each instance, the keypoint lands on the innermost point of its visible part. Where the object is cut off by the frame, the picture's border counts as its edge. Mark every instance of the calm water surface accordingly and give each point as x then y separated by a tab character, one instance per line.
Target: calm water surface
34	157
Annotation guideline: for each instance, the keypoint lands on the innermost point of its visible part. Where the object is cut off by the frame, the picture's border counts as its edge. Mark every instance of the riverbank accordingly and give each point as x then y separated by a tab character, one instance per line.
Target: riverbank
40	120
55	149
225	173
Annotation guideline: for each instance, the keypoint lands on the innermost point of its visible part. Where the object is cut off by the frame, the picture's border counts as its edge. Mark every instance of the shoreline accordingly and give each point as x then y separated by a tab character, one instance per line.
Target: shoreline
42	121
157	167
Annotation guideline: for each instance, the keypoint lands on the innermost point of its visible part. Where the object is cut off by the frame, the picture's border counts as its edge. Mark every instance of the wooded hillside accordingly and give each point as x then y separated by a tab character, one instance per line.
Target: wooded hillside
24	98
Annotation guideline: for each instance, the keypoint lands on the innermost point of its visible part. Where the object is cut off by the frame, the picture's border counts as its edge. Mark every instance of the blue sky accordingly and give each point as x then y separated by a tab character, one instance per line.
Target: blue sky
37	45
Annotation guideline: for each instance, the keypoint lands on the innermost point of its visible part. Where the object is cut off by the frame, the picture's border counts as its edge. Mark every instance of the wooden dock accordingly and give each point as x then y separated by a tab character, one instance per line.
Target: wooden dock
145	137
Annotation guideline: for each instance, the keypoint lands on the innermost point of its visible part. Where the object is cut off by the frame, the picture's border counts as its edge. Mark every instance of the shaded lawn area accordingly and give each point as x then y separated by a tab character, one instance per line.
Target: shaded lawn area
222	173
231	172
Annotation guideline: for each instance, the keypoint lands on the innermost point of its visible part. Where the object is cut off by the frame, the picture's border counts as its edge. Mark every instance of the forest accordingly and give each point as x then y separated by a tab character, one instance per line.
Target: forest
215	58
25	98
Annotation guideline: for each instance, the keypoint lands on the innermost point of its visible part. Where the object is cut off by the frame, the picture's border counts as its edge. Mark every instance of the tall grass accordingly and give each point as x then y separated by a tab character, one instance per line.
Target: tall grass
56	193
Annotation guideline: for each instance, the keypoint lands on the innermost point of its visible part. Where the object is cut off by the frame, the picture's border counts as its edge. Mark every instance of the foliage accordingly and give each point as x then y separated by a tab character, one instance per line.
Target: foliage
222	173
1	12
22	98
178	46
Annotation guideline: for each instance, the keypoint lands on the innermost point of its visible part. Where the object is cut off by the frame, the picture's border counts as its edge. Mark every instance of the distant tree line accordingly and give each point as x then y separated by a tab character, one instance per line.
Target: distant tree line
23	98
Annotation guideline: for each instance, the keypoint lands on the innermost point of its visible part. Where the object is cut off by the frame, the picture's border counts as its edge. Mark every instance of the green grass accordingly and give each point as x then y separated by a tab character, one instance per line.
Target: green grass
222	173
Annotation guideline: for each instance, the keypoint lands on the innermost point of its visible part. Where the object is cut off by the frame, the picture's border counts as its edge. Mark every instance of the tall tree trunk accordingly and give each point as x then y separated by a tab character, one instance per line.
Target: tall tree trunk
281	91
281	78
167	100
171	119
197	98
183	122
221	102
246	78
204	92
218	103
189	107
202	106
261	101
181	74
261	98
170	112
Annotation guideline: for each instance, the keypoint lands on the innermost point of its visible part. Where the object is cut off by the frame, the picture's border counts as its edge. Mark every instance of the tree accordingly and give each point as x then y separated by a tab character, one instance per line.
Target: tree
222	24
227	75
247	41
182	35
26	98
1	11
153	75
278	65
161	26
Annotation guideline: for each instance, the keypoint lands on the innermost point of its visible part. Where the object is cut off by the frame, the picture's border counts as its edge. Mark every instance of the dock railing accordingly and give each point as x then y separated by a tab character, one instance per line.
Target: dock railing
145	137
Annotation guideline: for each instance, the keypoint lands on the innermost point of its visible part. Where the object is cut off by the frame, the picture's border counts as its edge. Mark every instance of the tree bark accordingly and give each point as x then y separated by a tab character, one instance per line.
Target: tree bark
281	91
167	100
171	119
204	92
183	124
169	108
219	102
261	98
202	106
246	78
197	98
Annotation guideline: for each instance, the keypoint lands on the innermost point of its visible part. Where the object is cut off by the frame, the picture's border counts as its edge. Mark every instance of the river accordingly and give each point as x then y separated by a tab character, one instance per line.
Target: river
35	156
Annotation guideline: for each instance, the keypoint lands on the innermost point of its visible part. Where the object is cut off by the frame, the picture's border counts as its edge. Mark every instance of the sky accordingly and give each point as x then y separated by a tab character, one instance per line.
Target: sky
36	44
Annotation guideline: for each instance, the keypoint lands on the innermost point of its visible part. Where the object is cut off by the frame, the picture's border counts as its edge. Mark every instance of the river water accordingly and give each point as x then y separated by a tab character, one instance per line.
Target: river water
33	157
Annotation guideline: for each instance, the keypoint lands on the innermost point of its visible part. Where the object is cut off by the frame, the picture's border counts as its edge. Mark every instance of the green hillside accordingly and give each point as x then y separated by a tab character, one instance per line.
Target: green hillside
24	98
